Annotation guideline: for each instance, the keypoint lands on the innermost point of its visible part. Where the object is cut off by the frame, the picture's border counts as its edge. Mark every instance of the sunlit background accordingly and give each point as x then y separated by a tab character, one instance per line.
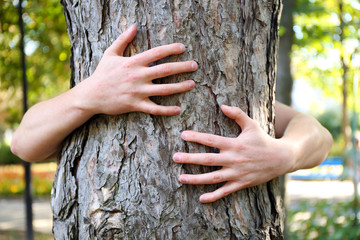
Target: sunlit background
320	78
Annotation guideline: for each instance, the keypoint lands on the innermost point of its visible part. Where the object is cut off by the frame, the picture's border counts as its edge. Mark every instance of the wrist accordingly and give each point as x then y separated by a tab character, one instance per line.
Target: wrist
82	99
289	154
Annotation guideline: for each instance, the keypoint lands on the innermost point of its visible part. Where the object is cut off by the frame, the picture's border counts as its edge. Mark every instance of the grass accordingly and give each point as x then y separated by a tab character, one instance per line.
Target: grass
323	220
13	184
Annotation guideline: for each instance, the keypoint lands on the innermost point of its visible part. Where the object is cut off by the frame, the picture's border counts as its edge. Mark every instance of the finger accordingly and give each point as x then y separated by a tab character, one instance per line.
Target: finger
158	53
207	139
241	118
214	177
206	159
168	89
225	190
119	45
154	109
167	69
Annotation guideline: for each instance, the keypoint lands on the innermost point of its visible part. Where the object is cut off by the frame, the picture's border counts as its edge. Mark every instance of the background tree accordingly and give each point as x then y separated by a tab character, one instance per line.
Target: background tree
115	177
47	47
284	80
325	52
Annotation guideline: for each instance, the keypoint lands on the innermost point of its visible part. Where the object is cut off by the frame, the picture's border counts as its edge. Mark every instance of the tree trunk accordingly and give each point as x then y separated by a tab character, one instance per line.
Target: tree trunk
284	79
345	128
115	177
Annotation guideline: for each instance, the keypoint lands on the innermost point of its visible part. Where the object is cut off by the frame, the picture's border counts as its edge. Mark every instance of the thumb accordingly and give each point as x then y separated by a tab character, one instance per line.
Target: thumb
241	118
119	45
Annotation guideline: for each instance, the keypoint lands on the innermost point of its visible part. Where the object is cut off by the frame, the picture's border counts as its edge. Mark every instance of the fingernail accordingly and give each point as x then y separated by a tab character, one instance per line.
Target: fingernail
177	157
226	107
177	110
203	198
182	47
194	65
191	83
183	179
184	135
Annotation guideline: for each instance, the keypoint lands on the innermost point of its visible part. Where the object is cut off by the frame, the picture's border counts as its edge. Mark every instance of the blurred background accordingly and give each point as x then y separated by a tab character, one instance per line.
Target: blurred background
318	73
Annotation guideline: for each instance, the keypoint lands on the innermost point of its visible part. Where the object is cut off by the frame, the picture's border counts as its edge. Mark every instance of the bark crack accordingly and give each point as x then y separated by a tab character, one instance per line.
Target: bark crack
271	59
147	32
228	214
105	14
89	50
275	229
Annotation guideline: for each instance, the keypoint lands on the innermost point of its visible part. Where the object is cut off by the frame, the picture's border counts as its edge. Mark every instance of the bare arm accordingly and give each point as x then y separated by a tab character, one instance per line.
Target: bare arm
310	141
118	85
254	157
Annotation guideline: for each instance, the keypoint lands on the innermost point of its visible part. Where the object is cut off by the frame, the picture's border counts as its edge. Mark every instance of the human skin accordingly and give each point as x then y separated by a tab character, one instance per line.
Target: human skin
124	84
118	85
254	157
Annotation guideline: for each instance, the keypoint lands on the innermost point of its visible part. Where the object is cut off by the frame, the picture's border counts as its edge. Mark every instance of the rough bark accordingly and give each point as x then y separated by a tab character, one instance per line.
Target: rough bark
116	178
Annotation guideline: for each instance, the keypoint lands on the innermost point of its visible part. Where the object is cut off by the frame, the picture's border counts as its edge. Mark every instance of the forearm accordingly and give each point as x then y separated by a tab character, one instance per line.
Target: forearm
310	149
118	85
46	125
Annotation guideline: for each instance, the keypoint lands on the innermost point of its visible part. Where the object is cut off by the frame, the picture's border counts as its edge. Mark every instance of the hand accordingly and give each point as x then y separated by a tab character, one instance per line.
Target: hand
124	84
250	159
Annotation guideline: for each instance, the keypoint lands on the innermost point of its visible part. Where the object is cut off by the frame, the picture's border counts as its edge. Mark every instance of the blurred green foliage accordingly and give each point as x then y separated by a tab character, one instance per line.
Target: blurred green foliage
331	120
6	156
318	48
47	49
323	220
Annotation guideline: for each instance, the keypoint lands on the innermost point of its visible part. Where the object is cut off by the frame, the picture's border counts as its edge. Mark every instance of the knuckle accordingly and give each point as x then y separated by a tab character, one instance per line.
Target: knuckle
216	178
225	192
153	111
246	184
209	141
166	70
237	145
130	62
238	161
132	76
164	90
158	53
157	110
208	160
134	92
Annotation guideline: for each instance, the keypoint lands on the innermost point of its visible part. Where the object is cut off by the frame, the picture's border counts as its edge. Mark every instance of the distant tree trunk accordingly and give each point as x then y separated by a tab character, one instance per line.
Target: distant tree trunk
345	128
116	178
284	80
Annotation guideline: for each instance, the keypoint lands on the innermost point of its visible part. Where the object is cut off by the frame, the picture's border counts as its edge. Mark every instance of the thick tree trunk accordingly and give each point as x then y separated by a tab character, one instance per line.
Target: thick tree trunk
116	178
